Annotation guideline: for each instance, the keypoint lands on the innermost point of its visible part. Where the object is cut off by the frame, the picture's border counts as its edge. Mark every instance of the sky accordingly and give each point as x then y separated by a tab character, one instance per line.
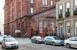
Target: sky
1	15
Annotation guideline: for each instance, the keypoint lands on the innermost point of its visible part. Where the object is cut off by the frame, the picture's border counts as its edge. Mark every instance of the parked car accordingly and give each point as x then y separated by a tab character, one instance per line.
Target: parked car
37	39
71	42
9	42
2	37
53	40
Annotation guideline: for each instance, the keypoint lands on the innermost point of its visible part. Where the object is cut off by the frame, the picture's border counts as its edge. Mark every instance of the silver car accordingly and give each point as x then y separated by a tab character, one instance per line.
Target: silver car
53	40
71	42
9	42
1	39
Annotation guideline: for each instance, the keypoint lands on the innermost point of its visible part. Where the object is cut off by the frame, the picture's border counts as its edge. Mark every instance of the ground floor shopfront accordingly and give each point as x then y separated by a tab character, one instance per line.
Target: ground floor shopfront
67	28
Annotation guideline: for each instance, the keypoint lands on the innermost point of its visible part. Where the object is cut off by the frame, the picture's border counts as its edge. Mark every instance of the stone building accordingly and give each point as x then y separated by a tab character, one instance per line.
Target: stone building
29	17
66	15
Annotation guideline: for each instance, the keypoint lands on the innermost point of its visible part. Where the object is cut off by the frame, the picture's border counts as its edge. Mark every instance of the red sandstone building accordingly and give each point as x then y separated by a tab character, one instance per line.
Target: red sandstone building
30	17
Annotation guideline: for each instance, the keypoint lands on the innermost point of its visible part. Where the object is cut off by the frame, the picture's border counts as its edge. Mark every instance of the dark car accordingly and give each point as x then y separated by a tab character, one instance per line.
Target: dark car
37	39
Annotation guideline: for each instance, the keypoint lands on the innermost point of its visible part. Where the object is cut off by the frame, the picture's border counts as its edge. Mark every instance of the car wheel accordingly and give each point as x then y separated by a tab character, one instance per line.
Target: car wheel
2	47
54	44
67	45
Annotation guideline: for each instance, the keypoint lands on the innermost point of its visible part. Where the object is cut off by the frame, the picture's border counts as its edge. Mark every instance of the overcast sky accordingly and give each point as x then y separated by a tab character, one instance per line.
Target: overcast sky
1	15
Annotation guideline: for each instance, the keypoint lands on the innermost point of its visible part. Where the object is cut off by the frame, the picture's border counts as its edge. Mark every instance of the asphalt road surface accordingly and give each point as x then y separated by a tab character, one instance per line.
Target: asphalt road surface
25	44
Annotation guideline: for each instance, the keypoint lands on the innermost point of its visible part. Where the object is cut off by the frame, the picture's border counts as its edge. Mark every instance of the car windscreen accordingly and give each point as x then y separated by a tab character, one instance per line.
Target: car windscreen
9	39
1	36
56	38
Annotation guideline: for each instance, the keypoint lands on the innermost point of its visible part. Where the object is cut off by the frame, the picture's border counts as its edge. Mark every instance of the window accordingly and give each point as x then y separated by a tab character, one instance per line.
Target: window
75	28
67	9
53	26
61	30
31	1
56	38
75	7
60	11
40	24
68	28
31	10
73	39
51	2
45	2
76	38
68	5
49	38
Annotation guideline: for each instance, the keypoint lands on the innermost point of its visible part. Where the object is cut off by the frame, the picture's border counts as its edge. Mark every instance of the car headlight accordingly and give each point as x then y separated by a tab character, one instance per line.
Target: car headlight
7	44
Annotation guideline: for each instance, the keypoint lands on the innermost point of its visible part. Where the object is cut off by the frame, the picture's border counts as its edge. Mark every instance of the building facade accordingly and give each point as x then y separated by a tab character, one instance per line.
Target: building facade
29	17
66	15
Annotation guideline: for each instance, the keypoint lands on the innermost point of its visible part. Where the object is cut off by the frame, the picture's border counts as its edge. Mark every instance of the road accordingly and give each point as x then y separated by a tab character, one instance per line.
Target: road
25	44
